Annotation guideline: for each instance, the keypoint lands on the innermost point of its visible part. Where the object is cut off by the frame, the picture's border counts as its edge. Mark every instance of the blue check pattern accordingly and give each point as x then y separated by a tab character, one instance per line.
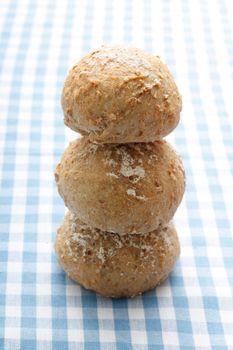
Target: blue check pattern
40	308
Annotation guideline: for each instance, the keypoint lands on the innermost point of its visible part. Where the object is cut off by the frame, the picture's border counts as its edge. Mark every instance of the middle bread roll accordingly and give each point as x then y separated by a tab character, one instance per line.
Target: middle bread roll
127	189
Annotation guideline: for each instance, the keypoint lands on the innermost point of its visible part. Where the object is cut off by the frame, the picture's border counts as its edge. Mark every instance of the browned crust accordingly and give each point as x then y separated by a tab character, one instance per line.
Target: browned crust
114	265
121	188
121	95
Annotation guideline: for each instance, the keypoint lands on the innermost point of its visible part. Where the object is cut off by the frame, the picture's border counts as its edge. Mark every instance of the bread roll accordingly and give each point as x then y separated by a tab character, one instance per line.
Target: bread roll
114	265
127	189
121	95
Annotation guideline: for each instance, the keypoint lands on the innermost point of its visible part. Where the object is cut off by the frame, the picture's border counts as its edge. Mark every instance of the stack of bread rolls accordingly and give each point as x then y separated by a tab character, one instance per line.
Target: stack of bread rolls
121	182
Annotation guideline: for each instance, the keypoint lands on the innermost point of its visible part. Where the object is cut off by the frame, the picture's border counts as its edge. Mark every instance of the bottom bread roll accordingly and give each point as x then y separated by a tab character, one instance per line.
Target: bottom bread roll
112	265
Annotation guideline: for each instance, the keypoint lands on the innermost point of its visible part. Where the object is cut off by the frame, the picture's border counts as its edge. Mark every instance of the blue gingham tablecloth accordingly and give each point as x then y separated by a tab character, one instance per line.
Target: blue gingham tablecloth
40	308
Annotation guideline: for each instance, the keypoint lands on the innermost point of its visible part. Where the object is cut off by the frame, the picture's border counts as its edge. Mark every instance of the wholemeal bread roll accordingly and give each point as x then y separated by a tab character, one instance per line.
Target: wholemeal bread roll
133	188
121	95
114	265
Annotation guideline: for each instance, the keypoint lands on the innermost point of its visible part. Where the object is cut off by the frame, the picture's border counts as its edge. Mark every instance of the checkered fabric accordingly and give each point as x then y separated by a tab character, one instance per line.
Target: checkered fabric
40	308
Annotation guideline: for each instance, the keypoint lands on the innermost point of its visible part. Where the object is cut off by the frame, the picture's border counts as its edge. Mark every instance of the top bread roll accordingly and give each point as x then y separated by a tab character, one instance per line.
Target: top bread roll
121	95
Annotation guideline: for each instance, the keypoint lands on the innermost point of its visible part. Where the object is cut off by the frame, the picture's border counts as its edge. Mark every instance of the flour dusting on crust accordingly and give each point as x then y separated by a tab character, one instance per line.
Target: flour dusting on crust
131	192
83	241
